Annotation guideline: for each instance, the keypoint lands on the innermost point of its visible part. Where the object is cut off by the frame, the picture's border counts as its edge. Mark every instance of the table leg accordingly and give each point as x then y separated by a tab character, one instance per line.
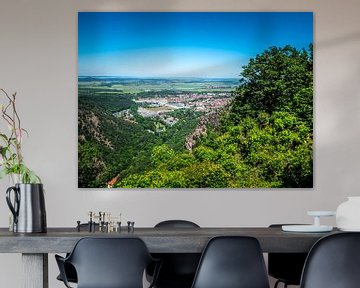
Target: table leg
35	270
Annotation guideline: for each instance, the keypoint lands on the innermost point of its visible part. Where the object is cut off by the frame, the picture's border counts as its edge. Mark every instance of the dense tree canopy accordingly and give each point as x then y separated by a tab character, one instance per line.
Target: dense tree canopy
279	79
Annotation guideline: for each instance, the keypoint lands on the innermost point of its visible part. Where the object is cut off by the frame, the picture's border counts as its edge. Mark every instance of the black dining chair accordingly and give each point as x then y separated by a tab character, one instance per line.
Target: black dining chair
333	262
286	267
108	263
232	262
178	269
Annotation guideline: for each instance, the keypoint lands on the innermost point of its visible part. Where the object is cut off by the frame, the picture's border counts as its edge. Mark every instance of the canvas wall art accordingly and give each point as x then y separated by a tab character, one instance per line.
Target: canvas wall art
195	100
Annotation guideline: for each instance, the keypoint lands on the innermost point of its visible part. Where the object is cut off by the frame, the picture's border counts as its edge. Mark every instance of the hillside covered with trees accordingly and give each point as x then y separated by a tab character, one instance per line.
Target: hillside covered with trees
263	138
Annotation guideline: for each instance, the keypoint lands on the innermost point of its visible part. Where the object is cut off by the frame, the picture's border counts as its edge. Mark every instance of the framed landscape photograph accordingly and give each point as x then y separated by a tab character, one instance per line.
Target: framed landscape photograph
195	99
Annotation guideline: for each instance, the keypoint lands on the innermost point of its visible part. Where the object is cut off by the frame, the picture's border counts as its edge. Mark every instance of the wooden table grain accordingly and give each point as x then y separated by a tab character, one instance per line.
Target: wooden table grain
36	246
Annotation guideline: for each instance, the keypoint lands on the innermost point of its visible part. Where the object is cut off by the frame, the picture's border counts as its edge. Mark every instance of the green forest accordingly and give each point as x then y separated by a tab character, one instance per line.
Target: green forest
262	139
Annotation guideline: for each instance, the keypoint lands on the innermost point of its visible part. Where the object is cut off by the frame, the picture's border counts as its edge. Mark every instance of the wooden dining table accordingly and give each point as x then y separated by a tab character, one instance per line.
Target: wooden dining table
35	247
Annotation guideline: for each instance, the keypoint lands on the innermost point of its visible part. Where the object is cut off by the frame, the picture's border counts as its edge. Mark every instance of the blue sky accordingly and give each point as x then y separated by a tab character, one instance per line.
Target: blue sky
183	44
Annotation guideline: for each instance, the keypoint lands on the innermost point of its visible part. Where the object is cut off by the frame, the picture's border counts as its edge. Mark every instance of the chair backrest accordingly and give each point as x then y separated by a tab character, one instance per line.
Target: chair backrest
333	262
110	262
178	269
232	262
286	266
176	224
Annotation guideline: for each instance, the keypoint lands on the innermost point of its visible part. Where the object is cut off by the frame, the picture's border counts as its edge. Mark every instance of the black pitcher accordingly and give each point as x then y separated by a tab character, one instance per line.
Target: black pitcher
28	208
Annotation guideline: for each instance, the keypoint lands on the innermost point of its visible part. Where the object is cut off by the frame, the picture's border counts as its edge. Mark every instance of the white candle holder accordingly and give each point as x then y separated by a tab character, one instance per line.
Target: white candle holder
316	227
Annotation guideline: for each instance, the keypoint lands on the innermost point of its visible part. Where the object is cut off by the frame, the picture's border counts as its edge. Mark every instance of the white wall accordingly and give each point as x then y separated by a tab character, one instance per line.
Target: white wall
38	59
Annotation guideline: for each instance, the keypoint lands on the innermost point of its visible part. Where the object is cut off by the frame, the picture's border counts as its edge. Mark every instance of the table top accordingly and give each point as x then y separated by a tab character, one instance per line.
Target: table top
158	240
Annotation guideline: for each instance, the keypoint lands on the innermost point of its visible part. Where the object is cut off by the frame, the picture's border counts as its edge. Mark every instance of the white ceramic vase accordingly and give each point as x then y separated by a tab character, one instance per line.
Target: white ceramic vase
348	215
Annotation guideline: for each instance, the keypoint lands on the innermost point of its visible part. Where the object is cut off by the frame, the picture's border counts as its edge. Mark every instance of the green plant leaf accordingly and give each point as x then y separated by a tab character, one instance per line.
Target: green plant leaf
4	173
4	137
